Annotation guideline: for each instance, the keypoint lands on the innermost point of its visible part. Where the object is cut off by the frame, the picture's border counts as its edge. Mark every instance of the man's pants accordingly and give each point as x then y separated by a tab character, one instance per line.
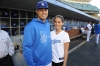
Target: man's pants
6	61
88	35
85	32
97	38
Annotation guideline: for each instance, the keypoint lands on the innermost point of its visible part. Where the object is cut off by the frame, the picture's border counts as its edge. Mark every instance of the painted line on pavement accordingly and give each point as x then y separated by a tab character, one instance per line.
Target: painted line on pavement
78	45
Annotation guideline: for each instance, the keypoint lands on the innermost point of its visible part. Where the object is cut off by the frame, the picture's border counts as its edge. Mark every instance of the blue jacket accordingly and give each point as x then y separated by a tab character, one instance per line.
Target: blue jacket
37	43
97	28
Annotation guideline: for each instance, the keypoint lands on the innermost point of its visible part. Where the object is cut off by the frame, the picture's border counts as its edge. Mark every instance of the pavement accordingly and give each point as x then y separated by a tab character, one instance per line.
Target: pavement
82	53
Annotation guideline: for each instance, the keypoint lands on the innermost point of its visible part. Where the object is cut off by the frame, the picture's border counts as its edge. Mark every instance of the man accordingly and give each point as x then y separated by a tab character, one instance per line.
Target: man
97	31
92	28
6	49
89	28
36	42
83	30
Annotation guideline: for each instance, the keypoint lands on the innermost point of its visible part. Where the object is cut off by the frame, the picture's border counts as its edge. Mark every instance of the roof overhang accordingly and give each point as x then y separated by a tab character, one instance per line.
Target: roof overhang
55	8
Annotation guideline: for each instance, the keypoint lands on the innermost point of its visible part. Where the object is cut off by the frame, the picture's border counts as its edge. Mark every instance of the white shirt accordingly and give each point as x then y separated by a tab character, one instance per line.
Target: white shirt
84	31
6	45
89	27
58	45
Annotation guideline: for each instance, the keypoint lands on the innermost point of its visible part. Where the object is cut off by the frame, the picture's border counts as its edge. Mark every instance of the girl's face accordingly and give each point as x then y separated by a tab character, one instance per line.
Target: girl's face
58	23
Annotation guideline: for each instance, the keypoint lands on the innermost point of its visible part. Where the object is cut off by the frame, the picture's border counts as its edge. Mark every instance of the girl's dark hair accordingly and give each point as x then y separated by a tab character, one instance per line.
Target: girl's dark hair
59	16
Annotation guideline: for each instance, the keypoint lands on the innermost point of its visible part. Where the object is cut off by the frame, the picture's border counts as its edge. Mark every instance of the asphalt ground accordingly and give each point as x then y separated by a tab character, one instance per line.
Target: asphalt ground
82	53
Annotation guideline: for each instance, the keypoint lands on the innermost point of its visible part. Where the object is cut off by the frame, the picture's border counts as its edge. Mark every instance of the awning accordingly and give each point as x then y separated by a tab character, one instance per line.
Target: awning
55	8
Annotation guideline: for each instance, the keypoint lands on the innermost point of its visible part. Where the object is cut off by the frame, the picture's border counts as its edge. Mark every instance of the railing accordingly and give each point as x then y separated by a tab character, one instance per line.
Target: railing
74	33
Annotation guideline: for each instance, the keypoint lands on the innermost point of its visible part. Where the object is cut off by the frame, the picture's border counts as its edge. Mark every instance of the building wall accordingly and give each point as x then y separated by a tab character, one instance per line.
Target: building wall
84	2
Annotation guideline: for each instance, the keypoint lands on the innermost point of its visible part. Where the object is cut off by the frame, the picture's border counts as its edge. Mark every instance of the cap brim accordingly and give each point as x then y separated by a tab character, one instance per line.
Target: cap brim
42	8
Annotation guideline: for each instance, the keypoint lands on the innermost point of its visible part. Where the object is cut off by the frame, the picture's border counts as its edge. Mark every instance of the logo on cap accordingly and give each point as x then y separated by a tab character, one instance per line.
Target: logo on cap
42	4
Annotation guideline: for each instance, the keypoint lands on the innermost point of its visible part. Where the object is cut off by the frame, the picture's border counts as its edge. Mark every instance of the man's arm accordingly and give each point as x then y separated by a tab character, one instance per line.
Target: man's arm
10	45
27	45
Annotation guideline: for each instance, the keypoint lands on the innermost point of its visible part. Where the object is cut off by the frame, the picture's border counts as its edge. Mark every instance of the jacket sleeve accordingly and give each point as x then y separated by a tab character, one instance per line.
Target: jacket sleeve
28	40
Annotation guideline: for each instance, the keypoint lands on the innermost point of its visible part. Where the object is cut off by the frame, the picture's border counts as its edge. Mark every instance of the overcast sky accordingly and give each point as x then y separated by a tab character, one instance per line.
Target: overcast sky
95	3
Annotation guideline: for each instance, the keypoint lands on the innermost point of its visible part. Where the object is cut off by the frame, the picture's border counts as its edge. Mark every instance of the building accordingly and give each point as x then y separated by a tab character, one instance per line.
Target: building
85	6
15	14
81	1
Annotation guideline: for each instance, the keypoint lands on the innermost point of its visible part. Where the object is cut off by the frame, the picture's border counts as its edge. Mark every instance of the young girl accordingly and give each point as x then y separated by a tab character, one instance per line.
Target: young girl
60	43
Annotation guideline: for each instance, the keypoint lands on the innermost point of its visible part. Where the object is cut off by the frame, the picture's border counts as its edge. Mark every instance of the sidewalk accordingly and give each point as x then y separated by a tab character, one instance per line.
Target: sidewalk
84	54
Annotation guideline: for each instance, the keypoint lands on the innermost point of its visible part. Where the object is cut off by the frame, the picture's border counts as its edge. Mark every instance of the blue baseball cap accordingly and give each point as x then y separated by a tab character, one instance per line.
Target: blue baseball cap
41	4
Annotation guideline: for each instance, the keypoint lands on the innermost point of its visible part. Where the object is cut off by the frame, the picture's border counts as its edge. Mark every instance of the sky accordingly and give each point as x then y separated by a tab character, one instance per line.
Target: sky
95	3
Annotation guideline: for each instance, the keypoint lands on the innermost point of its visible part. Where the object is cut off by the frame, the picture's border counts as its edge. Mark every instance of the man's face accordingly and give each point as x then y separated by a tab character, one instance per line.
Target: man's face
42	13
